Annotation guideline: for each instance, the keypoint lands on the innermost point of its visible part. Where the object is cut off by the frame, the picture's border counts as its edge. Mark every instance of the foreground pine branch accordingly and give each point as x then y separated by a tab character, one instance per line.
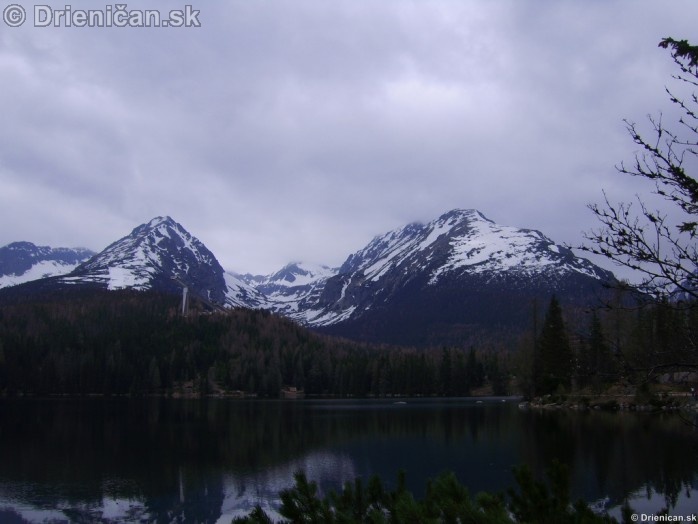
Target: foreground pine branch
446	501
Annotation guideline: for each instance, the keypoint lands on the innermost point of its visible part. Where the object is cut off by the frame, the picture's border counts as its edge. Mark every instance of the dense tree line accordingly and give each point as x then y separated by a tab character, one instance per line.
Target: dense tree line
136	343
591	350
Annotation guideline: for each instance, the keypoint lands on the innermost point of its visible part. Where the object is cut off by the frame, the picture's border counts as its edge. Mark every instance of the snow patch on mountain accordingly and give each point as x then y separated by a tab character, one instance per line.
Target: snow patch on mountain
486	246
43	269
241	294
22	262
121	277
319	317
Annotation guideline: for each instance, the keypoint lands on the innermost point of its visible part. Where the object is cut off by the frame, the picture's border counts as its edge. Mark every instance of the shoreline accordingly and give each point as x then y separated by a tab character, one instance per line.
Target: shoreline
614	402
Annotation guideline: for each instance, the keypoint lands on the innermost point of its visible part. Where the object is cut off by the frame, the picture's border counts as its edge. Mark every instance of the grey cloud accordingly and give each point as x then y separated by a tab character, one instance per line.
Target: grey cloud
294	130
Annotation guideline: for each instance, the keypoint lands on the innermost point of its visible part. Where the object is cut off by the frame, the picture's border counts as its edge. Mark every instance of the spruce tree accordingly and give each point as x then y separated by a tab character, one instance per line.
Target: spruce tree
555	354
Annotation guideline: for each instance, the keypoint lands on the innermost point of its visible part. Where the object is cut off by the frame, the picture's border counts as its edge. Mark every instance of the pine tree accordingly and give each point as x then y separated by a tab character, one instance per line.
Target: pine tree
555	355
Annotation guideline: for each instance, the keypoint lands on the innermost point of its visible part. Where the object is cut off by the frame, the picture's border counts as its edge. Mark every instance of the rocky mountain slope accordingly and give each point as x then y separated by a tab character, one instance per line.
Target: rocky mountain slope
294	289
445	281
163	256
23	262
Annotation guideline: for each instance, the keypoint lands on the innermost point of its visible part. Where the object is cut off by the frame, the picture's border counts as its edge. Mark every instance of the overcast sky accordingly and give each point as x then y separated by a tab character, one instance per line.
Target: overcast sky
285	130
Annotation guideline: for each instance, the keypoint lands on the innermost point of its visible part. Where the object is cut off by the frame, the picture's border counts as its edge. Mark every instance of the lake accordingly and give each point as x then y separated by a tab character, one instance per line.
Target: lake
170	460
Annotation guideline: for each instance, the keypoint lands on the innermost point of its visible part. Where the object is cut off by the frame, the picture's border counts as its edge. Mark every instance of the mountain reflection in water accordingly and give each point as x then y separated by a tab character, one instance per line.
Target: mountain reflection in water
162	460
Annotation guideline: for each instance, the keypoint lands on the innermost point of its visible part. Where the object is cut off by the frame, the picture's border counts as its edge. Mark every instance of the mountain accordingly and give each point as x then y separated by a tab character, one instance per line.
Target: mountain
448	280
23	262
156	253
293	290
453	280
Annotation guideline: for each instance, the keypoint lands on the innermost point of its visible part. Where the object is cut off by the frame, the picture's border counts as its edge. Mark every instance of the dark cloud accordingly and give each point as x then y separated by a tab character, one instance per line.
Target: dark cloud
288	130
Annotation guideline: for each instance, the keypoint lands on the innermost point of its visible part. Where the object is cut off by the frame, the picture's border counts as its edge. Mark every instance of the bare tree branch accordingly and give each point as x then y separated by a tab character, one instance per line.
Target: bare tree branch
665	253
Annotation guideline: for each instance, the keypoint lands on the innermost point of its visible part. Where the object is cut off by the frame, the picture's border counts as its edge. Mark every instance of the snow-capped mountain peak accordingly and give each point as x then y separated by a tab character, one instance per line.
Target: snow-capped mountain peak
483	246
462	240
157	255
22	262
421	282
300	274
293	289
160	245
460	249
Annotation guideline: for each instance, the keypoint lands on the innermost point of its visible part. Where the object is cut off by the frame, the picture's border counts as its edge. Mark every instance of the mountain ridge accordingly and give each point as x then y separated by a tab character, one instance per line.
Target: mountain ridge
461	244
162	255
24	261
457	273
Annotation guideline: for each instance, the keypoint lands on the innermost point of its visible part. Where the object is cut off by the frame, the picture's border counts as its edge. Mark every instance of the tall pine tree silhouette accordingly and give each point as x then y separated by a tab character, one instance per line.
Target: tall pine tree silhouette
555	355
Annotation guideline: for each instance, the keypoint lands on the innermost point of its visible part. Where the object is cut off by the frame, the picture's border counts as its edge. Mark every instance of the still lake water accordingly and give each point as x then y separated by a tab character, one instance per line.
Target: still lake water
159	460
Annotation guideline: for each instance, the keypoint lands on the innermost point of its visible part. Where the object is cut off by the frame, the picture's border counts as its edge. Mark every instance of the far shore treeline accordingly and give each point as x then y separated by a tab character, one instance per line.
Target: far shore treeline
90	342
137	343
